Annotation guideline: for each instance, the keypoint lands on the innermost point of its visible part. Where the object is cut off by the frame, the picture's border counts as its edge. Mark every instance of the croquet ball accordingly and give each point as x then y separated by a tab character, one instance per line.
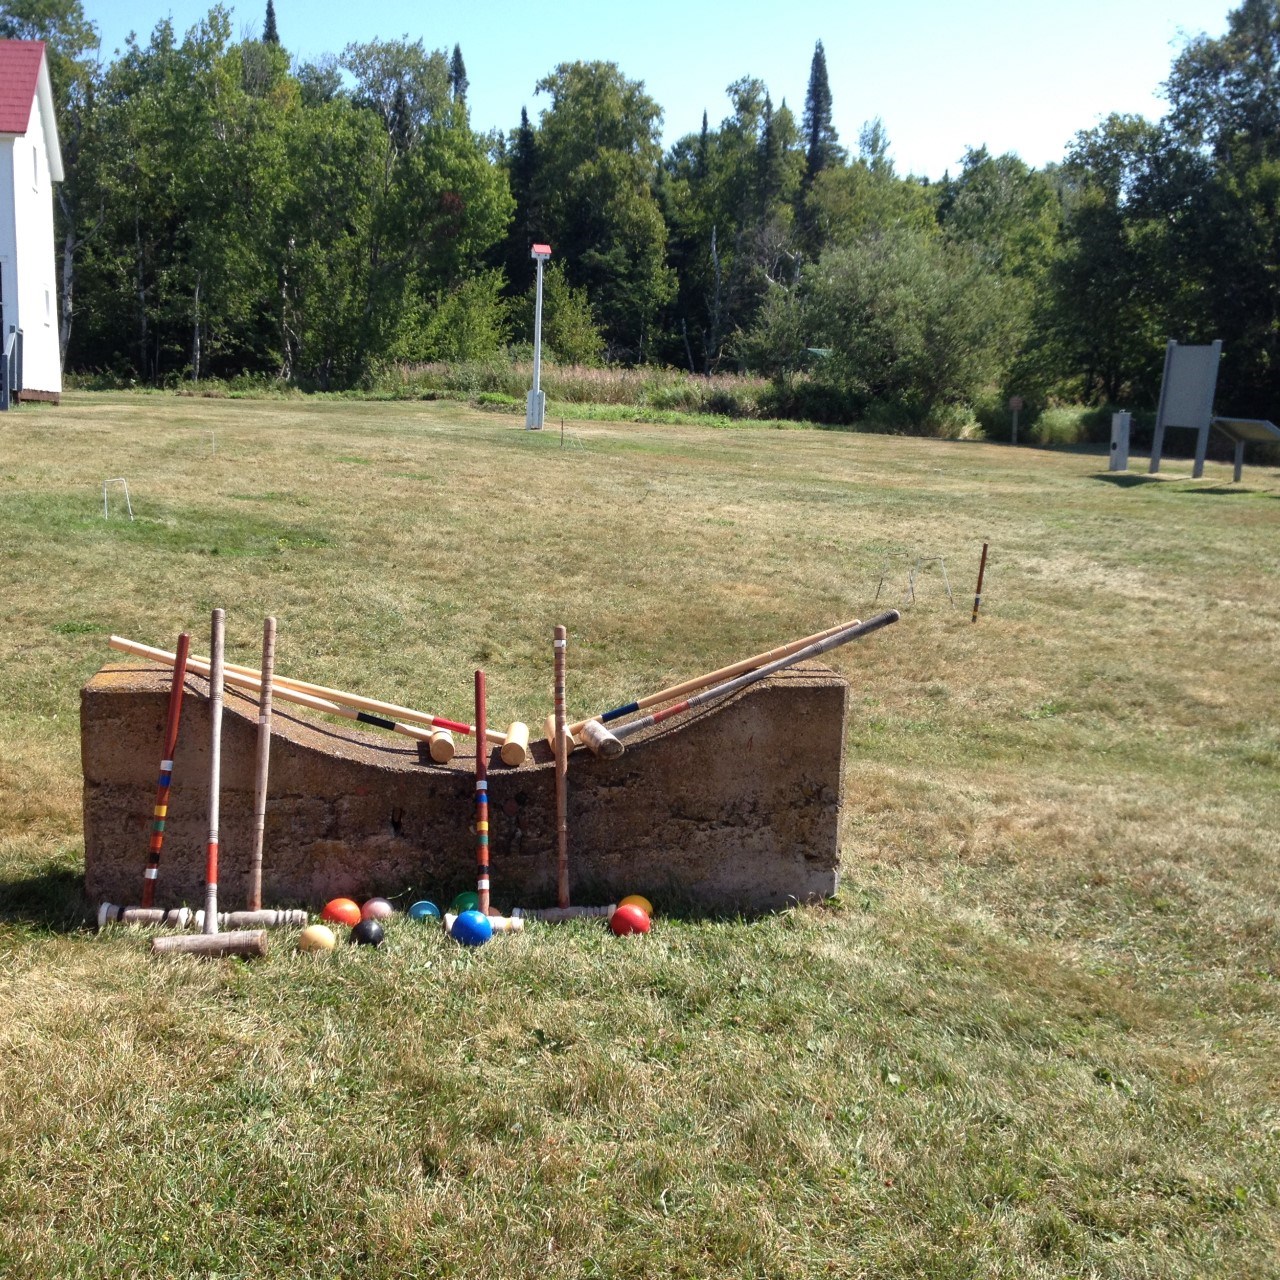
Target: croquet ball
628	918
635	900
341	911
377	909
467	900
368	933
472	929
424	910
317	937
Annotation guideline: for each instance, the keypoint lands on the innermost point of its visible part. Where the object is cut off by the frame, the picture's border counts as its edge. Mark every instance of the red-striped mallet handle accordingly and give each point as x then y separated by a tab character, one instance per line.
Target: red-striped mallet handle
161	811
215	770
561	643
977	595
482	800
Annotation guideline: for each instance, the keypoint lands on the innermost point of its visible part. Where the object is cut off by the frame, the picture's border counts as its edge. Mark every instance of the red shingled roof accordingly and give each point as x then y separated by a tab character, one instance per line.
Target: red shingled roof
19	73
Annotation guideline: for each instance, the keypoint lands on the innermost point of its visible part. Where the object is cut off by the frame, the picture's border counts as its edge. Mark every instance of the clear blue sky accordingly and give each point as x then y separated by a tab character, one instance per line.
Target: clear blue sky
1012	75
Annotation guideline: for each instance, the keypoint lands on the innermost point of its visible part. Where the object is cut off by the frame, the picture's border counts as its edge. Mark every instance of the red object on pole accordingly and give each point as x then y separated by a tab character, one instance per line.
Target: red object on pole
161	811
977	595
482	800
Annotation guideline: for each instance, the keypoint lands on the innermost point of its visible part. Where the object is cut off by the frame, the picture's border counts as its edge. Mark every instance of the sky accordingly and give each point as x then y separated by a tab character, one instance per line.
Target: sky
1010	75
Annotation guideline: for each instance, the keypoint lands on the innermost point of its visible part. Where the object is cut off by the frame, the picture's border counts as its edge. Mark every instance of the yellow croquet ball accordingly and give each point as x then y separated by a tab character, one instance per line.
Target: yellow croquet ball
635	900
317	937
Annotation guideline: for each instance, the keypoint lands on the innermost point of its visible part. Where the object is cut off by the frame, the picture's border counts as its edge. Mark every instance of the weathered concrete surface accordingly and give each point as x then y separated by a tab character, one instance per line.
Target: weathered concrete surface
735	806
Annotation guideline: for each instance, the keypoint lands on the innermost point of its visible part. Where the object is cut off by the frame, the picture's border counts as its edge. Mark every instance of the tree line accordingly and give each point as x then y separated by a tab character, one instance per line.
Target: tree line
229	209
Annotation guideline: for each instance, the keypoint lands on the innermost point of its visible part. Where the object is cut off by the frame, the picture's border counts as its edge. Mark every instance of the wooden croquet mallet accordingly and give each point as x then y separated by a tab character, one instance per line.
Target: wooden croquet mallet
161	811
614	747
216	646
561	643
578	728
482	800
263	763
977	595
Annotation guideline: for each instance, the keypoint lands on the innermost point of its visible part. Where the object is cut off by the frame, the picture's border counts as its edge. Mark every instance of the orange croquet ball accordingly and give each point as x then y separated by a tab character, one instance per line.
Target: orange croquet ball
377	909
341	911
635	900
628	918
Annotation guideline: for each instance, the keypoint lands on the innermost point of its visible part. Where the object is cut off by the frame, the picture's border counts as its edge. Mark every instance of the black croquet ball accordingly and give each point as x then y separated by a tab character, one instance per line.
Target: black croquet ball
368	933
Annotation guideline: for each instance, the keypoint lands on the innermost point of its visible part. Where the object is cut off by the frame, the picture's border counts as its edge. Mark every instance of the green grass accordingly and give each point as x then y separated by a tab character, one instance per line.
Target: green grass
1035	1035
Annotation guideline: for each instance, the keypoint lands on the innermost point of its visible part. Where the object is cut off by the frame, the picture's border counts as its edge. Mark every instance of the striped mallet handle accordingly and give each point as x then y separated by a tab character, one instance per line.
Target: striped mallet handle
250	678
280	693
263	763
561	643
161	811
741	682
482	801
977	595
702	682
216	644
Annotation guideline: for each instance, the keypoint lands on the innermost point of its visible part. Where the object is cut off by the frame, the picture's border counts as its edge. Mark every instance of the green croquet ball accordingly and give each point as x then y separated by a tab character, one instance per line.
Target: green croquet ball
467	900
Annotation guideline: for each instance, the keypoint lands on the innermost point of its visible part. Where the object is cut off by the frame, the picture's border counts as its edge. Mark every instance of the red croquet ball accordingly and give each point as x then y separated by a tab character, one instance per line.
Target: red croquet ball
341	911
629	919
377	909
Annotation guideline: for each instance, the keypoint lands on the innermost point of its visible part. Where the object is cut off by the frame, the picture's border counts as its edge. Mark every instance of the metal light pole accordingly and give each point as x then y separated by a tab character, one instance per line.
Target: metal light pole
536	406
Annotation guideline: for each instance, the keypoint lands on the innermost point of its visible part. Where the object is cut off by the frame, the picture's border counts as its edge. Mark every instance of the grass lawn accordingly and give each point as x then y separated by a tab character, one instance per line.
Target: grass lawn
1037	1033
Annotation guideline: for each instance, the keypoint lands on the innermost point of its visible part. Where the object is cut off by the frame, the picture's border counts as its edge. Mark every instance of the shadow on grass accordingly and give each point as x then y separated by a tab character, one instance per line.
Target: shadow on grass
49	900
1128	479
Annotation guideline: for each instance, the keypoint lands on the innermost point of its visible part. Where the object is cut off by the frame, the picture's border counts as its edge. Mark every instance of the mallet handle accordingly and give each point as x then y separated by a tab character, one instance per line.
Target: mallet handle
701	682
732	686
482	801
560	645
215	770
237	674
263	763
160	813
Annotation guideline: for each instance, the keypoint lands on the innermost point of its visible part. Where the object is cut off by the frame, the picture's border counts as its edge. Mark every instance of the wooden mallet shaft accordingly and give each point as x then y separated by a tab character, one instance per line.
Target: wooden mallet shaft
263	764
284	694
560	644
160	812
482	801
216	644
814	650
702	682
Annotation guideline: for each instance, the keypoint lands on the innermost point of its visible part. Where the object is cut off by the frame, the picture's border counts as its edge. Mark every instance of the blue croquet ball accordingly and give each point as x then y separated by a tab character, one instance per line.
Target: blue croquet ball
424	910
472	929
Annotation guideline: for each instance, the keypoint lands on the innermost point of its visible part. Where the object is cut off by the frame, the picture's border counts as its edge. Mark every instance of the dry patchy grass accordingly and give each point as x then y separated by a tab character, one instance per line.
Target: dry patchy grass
1035	1035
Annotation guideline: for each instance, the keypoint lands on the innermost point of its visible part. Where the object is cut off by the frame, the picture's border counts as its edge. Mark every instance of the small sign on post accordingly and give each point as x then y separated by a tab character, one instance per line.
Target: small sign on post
536	405
1015	407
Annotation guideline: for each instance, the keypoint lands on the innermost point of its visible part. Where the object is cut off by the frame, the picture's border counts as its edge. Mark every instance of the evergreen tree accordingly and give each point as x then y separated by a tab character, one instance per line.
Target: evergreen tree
270	34
458	75
822	141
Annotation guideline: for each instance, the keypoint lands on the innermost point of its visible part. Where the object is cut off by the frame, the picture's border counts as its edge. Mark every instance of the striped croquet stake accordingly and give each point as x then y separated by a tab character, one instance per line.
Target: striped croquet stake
561	643
161	811
977	595
215	770
482	800
741	682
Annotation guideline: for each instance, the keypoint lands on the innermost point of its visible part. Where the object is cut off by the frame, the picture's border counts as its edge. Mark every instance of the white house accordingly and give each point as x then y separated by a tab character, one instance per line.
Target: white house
30	162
